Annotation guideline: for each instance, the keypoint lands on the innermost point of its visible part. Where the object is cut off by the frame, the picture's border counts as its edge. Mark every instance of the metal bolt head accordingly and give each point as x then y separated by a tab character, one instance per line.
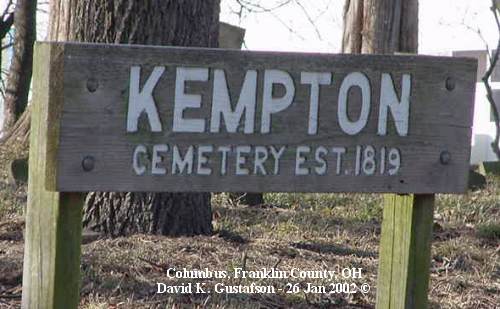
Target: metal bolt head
445	157
88	163
450	83
92	84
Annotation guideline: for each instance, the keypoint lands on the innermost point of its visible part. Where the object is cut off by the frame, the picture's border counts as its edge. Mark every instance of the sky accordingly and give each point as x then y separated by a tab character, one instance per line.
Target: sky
316	26
444	25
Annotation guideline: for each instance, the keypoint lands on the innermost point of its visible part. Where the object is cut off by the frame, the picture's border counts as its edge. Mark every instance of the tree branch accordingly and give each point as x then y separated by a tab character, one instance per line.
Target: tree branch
486	81
6	24
19	78
309	18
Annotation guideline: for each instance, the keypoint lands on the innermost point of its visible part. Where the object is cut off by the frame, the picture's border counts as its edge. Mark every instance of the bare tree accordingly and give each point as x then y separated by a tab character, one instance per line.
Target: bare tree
19	76
493	57
310	11
167	22
6	22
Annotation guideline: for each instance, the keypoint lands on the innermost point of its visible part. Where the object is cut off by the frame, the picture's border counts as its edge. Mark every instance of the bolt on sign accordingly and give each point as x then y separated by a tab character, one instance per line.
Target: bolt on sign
137	118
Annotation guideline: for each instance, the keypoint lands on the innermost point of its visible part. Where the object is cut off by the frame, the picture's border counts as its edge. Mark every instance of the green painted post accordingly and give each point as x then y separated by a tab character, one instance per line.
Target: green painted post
51	274
405	252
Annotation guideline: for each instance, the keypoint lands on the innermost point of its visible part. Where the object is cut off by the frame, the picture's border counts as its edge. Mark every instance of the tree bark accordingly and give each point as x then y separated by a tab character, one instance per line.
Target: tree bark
386	27
380	26
246	198
232	37
352	39
6	22
152	22
20	71
173	214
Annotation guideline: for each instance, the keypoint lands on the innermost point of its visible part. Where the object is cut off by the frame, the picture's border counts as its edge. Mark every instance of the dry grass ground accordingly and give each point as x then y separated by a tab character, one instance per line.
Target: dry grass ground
304	231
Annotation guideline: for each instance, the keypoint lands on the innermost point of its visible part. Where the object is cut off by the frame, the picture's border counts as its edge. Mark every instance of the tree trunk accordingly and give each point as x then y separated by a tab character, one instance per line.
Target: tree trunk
386	27
245	198
172	214
6	22
166	22
380	26
19	78
232	37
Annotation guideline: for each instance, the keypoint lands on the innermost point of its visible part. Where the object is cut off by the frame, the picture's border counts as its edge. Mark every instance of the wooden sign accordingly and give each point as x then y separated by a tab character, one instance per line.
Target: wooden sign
137	118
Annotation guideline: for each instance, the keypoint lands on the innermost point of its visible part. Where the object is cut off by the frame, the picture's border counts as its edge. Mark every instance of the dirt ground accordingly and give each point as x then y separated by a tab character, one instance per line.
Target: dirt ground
291	231
303	231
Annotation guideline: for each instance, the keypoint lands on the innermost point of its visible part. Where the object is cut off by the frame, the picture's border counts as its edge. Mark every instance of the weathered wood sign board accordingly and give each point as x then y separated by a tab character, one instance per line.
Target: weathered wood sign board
137	118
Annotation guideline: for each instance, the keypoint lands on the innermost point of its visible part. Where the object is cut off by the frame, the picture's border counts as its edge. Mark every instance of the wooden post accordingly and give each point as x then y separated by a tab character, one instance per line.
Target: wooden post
405	251
51	273
404	254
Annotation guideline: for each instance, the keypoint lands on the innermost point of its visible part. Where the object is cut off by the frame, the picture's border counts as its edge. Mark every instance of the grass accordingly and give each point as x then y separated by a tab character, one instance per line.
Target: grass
489	231
362	207
12	200
304	231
